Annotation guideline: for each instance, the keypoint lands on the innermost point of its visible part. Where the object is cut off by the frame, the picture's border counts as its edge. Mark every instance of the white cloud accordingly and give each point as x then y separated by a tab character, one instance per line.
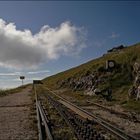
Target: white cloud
38	72
114	35
10	74
22	49
24	73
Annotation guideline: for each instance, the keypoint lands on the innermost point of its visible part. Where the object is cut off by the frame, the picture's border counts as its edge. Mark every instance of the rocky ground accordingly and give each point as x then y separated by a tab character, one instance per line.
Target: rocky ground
16	117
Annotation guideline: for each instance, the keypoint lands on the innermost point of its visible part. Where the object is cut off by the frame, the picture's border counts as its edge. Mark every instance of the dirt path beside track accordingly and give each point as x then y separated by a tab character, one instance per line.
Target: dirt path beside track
16	117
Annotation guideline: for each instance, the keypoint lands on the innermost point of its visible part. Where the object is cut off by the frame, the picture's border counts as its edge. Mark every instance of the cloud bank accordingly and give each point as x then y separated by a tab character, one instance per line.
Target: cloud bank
24	73
38	72
10	74
22	49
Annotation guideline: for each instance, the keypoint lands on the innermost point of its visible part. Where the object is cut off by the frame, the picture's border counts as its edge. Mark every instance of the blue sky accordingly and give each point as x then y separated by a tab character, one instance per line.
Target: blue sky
88	29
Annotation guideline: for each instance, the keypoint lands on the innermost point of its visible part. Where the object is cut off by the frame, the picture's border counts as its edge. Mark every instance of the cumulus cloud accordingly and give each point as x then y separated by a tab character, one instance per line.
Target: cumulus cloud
22	49
114	35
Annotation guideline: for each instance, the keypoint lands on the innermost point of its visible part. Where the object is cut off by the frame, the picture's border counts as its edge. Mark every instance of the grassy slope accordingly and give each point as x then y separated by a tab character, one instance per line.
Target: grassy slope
4	92
120	81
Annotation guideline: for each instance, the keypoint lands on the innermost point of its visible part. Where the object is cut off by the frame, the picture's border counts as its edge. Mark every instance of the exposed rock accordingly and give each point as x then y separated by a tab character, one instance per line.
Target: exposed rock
137	80
97	91
89	93
91	83
88	83
136	68
138	93
134	92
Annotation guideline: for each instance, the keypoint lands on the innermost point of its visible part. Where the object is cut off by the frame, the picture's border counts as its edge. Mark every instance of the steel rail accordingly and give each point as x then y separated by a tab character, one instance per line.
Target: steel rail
110	109
44	120
38	117
39	124
113	129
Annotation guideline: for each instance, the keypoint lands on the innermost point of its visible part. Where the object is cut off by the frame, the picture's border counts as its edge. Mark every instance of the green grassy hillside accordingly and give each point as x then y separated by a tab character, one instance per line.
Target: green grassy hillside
121	79
126	58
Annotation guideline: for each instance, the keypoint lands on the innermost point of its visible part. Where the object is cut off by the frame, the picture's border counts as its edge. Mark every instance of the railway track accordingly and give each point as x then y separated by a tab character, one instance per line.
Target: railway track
83	129
109	127
131	117
44	127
